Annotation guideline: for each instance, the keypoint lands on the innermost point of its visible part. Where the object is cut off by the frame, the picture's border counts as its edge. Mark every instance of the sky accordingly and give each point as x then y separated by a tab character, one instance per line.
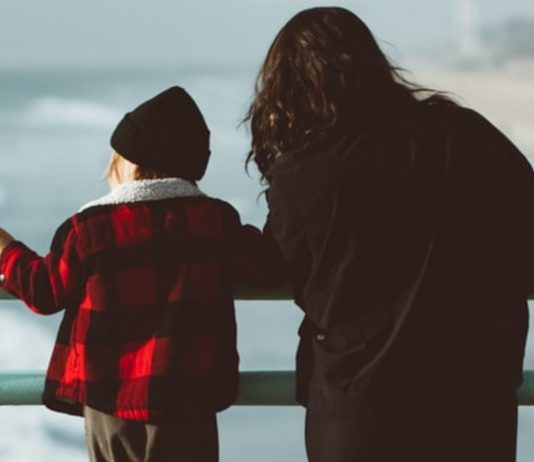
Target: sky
96	33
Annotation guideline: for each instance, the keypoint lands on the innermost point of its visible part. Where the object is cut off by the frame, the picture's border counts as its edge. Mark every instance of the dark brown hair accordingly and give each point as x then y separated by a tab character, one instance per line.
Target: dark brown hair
321	61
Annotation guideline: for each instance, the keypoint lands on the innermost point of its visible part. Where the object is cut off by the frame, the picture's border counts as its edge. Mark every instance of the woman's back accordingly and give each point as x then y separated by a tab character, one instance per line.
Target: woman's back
408	242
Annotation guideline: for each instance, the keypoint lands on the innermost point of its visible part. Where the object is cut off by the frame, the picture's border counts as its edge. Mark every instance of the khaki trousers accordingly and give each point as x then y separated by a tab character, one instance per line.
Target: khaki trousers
185	439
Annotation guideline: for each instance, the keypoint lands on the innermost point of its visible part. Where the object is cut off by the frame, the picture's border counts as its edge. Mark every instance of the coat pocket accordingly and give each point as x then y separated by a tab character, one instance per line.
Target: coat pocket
342	356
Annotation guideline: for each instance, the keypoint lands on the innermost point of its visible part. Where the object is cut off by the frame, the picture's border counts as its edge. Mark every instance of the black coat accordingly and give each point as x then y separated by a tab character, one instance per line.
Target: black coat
410	239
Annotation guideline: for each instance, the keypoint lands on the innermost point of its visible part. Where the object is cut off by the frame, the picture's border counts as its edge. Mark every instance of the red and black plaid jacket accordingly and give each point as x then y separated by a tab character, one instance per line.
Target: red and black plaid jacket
147	288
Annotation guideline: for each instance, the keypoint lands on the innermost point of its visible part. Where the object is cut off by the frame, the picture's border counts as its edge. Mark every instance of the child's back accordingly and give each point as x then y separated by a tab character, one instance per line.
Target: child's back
146	276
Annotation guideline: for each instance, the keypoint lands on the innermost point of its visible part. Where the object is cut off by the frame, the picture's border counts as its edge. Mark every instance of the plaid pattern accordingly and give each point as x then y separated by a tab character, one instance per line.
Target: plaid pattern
149	327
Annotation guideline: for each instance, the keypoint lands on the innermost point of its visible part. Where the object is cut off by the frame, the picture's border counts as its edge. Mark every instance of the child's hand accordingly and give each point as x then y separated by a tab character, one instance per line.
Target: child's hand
5	239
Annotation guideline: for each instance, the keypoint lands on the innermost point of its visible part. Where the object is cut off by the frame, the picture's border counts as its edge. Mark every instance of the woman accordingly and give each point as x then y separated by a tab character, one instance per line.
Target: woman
407	224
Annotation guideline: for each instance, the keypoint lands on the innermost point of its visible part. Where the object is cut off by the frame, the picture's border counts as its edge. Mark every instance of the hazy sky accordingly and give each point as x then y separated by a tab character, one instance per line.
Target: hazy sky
144	32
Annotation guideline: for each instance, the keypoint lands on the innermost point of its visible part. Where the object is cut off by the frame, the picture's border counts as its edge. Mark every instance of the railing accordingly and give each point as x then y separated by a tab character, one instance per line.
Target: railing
257	388
269	388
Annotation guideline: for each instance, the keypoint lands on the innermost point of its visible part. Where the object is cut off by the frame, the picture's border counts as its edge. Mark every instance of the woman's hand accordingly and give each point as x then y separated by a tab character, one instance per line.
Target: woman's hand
5	239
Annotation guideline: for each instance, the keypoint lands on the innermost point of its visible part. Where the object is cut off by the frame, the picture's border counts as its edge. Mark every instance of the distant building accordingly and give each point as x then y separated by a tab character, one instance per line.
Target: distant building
468	16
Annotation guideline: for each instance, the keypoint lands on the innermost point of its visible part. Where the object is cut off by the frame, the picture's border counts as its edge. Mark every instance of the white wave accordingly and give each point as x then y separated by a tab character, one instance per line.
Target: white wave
24	344
55	111
29	434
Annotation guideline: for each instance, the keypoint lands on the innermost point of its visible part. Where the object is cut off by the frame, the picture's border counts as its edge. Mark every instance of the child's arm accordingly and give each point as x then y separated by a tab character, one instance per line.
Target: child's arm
45	284
5	239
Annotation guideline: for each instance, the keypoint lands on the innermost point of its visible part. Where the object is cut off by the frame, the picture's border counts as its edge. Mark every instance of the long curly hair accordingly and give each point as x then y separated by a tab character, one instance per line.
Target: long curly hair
322	61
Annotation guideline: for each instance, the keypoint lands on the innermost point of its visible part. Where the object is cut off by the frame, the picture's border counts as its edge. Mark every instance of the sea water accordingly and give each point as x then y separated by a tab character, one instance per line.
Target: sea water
54	145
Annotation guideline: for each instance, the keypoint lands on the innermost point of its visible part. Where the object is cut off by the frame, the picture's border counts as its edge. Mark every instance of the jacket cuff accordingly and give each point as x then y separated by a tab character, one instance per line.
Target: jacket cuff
7	259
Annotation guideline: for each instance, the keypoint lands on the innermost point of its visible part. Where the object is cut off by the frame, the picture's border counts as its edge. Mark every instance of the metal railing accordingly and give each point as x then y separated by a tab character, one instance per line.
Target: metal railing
256	388
269	388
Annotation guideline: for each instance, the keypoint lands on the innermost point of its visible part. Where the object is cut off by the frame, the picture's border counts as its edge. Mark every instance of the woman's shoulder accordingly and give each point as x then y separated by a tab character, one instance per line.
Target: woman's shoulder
438	122
462	118
477	139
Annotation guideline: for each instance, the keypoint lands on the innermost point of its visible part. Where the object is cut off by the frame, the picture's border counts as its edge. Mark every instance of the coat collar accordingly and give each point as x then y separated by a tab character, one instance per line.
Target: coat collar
147	190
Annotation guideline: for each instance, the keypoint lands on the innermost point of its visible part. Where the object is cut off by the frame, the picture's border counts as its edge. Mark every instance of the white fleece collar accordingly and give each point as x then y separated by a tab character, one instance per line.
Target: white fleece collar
147	190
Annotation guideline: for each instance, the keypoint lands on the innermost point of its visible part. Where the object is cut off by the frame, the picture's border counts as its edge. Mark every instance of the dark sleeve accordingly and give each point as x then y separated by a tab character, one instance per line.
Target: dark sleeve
285	226
256	259
521	188
355	234
45	284
517	177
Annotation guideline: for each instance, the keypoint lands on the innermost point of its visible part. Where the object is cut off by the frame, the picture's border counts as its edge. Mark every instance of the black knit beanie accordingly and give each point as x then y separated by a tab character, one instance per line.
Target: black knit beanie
167	134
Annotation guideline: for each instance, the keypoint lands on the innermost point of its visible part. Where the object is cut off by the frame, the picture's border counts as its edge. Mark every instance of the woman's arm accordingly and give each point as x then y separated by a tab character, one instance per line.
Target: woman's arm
258	262
257	259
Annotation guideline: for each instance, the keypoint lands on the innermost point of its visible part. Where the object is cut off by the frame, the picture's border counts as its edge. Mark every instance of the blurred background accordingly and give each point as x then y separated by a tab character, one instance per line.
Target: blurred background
70	69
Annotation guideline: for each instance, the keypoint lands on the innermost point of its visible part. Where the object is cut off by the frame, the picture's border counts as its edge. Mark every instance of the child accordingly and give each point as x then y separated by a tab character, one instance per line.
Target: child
146	350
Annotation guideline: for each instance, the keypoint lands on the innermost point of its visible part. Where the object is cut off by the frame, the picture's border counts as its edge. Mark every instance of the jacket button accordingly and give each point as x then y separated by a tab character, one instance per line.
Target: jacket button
2	278
320	337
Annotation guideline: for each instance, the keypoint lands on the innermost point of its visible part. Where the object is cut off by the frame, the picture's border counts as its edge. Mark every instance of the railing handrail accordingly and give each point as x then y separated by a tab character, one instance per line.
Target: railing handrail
259	388
256	388
242	293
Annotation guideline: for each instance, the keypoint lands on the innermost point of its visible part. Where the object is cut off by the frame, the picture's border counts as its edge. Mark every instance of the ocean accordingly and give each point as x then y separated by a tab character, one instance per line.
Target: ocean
54	146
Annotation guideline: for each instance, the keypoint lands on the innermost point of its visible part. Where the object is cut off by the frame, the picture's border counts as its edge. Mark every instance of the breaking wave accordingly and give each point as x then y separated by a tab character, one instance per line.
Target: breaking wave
55	111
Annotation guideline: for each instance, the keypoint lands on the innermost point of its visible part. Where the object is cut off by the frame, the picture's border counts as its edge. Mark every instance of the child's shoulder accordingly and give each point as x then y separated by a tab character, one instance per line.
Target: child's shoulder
100	223
224	205
211	205
104	213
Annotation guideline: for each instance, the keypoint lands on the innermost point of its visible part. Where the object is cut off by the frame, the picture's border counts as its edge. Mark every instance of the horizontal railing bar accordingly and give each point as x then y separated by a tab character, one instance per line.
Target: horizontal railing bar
242	293
253	293
256	388
20	388
525	395
266	388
